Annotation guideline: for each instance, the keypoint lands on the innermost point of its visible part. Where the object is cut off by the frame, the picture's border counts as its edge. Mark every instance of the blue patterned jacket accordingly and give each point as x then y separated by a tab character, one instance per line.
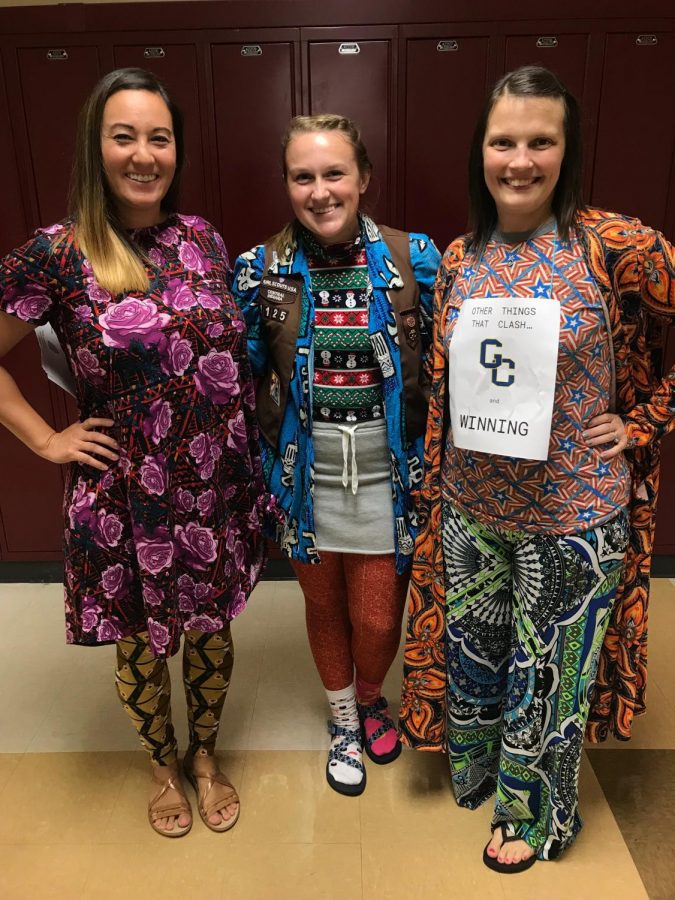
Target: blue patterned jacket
289	466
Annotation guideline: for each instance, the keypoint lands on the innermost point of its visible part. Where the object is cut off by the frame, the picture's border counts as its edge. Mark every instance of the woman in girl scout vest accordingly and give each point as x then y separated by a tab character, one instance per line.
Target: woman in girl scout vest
541	470
338	311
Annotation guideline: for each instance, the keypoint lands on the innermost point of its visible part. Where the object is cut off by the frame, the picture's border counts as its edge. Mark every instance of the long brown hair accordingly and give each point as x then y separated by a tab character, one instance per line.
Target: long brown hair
528	81
286	238
118	264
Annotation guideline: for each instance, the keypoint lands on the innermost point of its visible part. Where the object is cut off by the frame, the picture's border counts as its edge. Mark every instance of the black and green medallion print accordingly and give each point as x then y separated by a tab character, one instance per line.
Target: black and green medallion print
526	615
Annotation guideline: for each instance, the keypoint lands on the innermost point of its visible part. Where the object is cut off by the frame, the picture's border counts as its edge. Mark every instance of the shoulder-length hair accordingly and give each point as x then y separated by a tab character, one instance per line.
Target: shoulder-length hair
528	81
118	264
286	238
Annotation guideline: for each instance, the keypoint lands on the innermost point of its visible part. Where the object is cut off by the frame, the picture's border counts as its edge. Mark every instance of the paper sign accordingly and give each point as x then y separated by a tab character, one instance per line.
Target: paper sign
501	374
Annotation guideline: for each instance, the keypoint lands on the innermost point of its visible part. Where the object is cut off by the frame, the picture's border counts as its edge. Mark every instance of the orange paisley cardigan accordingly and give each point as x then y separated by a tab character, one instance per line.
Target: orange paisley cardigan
634	267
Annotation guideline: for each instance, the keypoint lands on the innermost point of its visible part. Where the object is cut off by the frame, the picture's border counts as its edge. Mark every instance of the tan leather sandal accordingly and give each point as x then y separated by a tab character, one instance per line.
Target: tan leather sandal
208	807
157	810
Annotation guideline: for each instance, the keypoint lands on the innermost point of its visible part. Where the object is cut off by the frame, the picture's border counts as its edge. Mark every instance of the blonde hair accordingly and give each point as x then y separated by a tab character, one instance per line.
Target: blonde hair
286	238
118	264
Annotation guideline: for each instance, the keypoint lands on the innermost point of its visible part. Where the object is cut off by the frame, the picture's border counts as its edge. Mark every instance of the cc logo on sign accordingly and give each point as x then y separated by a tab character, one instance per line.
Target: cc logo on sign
495	361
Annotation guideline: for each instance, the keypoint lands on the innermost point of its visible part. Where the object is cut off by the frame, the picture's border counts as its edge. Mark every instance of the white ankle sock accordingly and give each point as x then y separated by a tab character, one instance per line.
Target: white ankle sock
344	713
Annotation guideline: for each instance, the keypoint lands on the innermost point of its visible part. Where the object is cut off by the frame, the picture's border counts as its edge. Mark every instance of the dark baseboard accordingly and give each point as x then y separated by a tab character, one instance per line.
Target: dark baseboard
48	572
277	570
31	572
663	566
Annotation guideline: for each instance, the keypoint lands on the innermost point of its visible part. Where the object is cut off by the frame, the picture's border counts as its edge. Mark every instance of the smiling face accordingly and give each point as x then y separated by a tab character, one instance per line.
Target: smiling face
324	185
523	150
139	155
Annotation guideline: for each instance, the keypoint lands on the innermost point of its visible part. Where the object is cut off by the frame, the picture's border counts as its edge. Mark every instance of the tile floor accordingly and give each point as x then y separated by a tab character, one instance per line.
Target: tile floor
73	785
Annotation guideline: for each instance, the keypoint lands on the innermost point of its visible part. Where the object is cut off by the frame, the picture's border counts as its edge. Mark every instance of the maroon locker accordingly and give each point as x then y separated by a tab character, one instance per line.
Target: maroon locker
13	221
255	96
633	172
352	73
176	66
664	539
564	54
446	83
576	58
243	86
31	499
636	129
55	81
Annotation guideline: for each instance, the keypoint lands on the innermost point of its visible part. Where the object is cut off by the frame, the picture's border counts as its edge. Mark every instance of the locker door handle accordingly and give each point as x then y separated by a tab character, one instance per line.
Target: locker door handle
154	53
349	49
446	46
251	50
547	42
646	40
57	55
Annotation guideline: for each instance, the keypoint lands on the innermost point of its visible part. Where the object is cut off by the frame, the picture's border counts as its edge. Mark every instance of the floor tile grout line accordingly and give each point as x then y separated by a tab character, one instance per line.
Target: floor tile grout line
263	655
502	885
670	703
17	761
249	729
618	827
123	780
40	723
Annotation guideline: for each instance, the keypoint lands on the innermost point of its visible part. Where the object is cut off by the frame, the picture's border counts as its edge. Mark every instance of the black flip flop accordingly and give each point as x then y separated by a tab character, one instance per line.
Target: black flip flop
507	868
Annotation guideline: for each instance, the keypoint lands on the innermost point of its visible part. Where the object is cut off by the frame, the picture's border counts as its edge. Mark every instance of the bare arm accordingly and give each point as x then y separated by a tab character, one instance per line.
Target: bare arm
76	443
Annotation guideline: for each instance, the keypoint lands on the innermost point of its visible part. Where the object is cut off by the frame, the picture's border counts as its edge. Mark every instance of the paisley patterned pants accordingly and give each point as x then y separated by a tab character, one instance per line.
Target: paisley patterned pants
526	615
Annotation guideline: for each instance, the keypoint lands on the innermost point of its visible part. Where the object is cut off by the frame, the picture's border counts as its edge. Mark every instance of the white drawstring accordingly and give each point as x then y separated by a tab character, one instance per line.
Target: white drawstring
349	437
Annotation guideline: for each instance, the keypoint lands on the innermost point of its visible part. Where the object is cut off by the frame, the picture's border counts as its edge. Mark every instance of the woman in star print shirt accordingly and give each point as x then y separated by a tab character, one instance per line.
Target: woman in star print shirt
527	560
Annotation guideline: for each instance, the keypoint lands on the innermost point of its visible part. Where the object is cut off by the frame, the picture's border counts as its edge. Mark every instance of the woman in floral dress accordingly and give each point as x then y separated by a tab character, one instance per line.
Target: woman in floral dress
164	494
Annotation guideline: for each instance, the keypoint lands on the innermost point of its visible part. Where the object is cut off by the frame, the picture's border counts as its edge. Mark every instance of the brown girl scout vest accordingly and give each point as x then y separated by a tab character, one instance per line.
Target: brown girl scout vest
280	302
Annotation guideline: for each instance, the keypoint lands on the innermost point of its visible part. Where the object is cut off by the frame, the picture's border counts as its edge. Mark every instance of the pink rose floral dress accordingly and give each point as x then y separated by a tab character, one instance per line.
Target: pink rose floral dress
169	538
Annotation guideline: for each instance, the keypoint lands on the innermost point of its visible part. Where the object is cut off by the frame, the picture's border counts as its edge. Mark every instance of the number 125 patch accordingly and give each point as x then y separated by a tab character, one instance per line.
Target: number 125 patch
274	312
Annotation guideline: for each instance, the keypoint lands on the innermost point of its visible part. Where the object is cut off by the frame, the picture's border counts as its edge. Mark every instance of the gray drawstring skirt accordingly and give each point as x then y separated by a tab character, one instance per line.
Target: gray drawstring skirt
353	510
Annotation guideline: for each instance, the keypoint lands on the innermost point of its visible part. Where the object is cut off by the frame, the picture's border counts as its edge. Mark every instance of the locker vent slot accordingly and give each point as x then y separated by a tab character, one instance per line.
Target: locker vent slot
349	49
446	46
154	53
251	50
547	42
57	55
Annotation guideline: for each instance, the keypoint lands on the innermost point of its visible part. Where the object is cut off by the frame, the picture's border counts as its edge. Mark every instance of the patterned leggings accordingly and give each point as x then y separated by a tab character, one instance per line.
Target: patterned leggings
526	616
144	688
354	607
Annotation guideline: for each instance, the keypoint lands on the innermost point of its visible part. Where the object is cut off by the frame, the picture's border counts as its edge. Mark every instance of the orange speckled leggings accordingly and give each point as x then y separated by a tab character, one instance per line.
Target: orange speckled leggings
354	606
